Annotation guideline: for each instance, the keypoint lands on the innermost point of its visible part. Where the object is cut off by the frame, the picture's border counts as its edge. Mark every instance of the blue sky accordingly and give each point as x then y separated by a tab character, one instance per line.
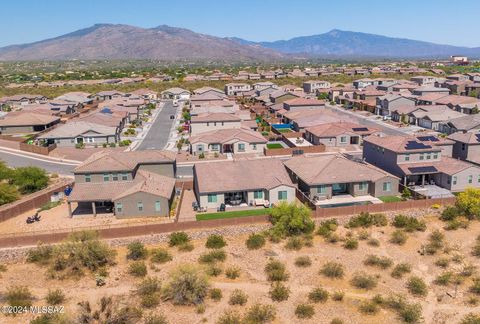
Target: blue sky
440	21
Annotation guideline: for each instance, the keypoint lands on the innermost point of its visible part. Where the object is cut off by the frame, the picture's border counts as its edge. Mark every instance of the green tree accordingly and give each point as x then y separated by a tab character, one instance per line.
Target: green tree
8	193
406	194
5	171
291	219
469	202
29	179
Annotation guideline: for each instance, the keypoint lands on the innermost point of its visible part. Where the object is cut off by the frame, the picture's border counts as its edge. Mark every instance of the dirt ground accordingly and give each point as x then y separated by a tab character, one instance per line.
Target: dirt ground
438	307
72	153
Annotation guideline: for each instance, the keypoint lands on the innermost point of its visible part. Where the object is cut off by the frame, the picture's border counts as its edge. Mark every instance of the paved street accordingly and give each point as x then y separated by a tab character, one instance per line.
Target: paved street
370	121
19	160
159	132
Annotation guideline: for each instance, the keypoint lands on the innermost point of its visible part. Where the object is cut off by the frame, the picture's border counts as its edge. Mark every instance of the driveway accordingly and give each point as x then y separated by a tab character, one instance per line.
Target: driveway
159	132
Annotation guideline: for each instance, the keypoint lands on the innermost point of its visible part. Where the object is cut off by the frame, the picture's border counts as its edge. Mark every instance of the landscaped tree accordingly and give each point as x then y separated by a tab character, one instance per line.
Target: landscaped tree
469	202
5	171
8	193
291	219
29	179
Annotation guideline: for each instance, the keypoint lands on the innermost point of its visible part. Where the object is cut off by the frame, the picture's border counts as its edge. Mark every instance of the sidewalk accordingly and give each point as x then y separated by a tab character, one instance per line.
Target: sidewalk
40	157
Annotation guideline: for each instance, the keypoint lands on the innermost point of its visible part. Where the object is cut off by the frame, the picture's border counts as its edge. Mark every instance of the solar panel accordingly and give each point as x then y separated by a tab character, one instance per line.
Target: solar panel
360	129
424	169
413	145
428	139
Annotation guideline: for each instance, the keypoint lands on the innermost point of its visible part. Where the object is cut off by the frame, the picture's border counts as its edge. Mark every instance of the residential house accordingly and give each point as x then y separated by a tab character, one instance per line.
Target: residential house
80	132
419	161
237	89
209	91
109	95
211	98
303	103
424	80
279	96
431	98
313	85
79	98
175	94
26	123
338	134
146	94
420	91
17	101
213	121
386	104
326	176
475	77
462	124
467	146
229	140
432	117
129	184
242	183
458	77
264	85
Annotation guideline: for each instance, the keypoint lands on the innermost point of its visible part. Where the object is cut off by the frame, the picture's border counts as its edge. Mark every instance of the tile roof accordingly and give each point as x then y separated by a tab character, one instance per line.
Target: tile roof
214	117
228	136
447	165
339	128
27	119
77	128
466	137
328	169
240	175
400	144
304	102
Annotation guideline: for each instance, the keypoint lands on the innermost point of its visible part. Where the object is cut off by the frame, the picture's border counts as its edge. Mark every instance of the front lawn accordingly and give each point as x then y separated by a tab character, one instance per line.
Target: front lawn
283	130
389	199
274	146
233	214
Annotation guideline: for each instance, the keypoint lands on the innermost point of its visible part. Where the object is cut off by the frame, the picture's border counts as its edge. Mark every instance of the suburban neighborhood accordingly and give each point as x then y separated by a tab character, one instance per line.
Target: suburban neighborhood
160	175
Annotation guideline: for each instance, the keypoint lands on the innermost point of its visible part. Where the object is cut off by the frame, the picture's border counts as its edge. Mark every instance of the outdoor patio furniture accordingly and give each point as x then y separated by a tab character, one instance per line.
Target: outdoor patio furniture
221	208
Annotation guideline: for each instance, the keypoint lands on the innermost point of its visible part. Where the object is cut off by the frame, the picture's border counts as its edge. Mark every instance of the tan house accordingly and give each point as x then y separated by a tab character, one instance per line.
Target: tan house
303	103
234	140
80	132
242	183
338	134
213	121
26	123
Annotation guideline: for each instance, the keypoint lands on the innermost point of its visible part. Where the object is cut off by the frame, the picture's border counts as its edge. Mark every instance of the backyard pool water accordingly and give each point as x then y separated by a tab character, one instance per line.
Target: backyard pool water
357	203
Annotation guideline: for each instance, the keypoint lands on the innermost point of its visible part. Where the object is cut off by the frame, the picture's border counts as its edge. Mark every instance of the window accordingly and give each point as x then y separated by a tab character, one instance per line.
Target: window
464	146
214	123
88	178
258	194
428	156
140	206
435	156
362	186
254	147
421	156
407	157
322	189
124	176
157	206
200	147
106	177
208	124
454	180
215	147
343	139
115	177
119	207
241	147
387	186
470	179
212	198
282	195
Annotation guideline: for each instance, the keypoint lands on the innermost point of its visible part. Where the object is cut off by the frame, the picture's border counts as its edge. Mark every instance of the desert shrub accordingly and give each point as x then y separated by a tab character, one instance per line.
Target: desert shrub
148	286
338	295
255	241
40	254
401	269
160	255
336	321
55	297
136	251
468	202
409	223
50	319
363	235
350	244
408	313
472	301
417	286
334	238
398	237
187	286
258	314
238	297
475	288
294	243
276	271
178	238
455	224
333	270
150	301
279	292
318	295
327	227
468	270
155	319
377	261
366	220
303	261
230	317
442	262
18	296
186	247
476	248
291	219
435	242
304	311
215	294
215	241
232	272
213	256
214	270
373	242
444	278
450	213
363	280
471	319
8	193
137	269
368	307
200	309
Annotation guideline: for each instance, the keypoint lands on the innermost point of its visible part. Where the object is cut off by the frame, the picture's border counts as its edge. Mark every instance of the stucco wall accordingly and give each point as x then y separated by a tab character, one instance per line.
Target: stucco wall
130	209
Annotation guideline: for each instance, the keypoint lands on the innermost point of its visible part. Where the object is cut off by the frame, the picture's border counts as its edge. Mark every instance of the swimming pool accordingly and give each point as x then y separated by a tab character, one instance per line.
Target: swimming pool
358	203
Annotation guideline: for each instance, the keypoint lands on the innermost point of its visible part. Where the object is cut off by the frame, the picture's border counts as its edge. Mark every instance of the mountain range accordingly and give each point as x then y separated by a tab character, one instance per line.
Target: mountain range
112	41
